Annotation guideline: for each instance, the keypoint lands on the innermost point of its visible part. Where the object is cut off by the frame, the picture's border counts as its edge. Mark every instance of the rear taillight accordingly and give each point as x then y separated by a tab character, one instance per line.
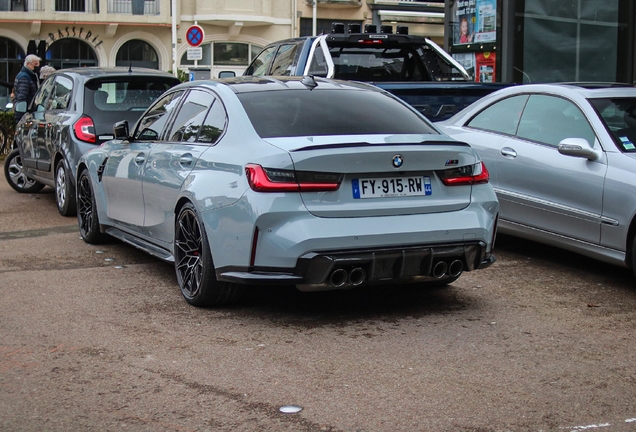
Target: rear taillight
466	175
84	129
276	180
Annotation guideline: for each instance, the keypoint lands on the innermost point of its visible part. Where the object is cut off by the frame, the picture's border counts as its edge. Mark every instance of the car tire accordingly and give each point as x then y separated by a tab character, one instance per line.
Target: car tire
15	175
194	266
64	190
87	217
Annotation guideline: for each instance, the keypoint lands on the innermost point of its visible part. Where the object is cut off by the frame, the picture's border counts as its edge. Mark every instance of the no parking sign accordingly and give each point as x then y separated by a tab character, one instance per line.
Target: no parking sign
195	35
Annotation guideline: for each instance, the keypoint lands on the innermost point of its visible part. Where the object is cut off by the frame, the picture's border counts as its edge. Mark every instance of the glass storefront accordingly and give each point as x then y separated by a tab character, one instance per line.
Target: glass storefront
573	40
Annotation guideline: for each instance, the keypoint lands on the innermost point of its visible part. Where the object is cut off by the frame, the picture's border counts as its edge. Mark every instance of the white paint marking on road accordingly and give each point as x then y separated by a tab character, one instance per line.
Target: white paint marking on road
631	420
581	428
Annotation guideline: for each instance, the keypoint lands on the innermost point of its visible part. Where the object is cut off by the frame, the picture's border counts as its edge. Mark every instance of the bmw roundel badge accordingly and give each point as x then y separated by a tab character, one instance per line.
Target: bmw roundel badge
398	160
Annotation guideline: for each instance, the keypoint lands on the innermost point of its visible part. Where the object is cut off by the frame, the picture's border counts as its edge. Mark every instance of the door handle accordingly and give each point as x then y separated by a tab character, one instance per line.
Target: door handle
507	151
140	158
186	159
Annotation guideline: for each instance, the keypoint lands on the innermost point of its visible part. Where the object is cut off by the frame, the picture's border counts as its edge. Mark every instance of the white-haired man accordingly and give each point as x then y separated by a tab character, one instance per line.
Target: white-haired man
26	83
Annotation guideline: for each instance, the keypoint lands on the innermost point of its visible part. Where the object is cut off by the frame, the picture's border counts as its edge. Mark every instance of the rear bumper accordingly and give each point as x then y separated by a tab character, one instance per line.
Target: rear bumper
346	269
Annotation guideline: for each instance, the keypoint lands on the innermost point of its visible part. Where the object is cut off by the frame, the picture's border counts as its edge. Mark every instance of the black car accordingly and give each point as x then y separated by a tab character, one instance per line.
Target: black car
74	111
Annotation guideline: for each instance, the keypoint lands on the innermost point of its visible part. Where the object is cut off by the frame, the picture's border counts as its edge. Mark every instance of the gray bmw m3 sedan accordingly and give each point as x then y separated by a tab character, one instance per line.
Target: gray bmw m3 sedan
309	182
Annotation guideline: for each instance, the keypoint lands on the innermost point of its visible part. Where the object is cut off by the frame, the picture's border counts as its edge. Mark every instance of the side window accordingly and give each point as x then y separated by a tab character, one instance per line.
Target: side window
214	124
502	117
61	93
153	122
190	117
41	97
261	63
318	66
550	120
284	63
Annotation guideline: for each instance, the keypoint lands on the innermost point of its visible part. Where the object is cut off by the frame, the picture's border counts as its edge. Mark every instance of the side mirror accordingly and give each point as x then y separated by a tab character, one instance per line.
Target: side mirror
227	74
578	147
9	105
21	107
121	130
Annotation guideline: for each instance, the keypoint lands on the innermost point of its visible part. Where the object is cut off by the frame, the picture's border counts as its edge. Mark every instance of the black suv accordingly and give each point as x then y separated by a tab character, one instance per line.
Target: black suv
74	111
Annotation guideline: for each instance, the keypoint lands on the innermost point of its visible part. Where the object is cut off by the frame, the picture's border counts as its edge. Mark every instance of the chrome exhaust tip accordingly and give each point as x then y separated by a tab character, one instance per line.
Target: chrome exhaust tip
439	269
456	268
338	278
357	276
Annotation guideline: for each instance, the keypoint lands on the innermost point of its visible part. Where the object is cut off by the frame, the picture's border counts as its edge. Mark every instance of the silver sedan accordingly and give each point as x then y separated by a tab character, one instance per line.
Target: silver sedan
314	183
562	159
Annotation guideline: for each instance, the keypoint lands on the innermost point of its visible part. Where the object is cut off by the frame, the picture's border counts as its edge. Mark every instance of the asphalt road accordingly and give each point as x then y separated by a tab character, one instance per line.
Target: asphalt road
99	338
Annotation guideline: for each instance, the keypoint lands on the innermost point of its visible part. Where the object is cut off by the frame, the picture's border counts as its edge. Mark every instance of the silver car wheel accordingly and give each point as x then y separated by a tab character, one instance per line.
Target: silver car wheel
16	176
60	185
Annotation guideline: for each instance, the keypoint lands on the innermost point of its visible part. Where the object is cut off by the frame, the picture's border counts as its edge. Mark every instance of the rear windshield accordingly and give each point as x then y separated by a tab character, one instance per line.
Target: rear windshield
134	93
389	64
619	116
289	113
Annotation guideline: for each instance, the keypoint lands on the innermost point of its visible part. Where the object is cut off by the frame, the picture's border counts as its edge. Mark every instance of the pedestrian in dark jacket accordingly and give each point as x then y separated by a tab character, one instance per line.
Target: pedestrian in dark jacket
26	83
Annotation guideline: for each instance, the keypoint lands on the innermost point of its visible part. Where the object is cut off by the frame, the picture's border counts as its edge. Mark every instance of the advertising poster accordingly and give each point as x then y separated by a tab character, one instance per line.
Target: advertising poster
467	60
474	21
485	66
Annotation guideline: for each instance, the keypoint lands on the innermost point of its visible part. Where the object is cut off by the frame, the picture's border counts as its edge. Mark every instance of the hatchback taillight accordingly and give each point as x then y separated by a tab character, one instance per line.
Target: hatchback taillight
84	129
466	175
277	180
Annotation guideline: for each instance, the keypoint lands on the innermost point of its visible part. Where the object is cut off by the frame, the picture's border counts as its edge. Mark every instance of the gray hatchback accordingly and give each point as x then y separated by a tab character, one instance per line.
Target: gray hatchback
74	111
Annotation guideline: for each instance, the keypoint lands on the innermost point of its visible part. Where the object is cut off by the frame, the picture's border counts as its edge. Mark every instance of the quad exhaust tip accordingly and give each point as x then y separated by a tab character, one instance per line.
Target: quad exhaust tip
340	277
357	276
455	268
439	269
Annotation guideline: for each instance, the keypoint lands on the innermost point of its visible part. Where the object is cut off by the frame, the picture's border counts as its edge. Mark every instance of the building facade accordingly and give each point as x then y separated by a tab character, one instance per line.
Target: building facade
518	40
70	33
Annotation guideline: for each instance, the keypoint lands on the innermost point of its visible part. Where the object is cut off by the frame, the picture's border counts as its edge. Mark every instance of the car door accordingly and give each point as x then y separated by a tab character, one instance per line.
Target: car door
36	156
541	188
489	129
195	127
123	170
55	115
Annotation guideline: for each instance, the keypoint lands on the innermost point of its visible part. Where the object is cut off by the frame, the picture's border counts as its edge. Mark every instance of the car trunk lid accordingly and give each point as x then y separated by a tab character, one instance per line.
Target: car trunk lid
381	175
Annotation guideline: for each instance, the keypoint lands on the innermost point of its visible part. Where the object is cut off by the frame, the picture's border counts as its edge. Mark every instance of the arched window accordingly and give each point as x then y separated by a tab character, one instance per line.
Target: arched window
11	59
137	53
70	52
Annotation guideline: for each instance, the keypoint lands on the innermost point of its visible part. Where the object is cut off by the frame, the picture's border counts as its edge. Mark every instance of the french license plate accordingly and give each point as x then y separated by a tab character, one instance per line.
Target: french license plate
391	187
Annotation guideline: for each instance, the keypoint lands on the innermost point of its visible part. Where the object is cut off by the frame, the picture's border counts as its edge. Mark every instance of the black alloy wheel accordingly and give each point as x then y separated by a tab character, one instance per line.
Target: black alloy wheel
15	175
64	190
87	218
194	266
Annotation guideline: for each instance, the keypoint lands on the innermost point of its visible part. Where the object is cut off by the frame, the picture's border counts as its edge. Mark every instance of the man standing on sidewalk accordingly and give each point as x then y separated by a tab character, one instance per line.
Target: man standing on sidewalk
26	83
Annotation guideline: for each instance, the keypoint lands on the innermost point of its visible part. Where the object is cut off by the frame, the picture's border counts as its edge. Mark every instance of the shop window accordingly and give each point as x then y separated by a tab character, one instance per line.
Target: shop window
11	60
224	54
